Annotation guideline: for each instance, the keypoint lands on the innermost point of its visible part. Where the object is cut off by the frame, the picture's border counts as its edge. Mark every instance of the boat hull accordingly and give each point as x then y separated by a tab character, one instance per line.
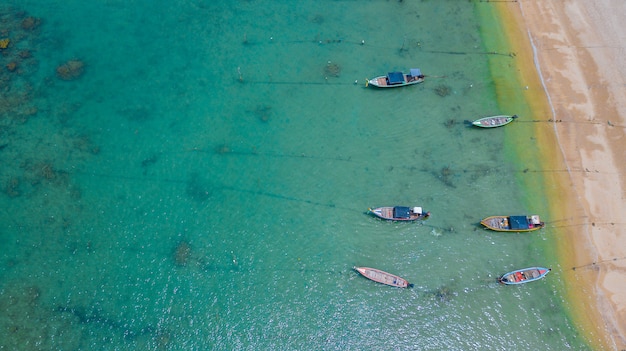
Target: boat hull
523	276
381	82
507	224
387	213
383	277
494	121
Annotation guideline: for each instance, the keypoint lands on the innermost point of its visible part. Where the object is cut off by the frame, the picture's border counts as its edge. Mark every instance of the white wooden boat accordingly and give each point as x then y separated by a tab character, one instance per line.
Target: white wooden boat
383	277
493	121
522	276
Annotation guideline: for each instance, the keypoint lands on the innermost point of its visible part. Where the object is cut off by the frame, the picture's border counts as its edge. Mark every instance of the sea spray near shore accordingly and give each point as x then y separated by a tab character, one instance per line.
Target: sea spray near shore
124	235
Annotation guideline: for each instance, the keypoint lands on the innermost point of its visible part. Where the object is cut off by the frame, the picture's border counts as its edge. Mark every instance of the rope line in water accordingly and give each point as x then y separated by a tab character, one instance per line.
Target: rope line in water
341	159
350	159
269	82
262	193
287	198
219	186
269	154
510	54
363	43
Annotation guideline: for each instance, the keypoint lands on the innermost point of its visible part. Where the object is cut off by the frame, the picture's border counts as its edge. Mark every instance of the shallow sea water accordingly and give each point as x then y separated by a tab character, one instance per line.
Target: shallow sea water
202	181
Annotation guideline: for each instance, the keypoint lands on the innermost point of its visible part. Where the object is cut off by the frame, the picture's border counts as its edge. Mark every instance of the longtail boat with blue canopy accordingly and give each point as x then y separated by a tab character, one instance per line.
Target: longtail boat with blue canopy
513	223
397	79
400	213
522	276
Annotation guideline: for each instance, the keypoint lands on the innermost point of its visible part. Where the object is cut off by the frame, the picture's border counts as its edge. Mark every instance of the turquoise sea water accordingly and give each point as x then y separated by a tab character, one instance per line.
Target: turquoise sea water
199	180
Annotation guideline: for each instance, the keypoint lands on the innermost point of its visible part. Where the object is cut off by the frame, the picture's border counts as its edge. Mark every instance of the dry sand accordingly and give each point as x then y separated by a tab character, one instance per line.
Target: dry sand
580	54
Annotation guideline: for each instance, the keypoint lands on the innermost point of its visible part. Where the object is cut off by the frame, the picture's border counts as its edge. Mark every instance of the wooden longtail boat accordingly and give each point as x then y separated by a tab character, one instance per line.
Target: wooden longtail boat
493	121
399	213
513	223
522	276
383	277
397	79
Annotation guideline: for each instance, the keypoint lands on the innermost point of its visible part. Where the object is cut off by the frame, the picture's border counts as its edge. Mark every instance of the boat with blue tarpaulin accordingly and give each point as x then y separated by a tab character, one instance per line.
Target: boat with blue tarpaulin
513	223
397	79
400	213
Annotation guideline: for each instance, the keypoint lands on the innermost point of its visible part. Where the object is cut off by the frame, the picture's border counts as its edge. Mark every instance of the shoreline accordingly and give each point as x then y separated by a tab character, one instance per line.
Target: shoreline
578	74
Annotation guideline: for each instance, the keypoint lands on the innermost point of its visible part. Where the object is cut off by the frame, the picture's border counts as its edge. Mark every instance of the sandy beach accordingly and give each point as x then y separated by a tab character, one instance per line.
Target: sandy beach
578	51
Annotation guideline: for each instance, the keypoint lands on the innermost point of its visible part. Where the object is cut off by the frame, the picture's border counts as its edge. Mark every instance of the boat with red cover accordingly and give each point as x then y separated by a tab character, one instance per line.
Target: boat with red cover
522	276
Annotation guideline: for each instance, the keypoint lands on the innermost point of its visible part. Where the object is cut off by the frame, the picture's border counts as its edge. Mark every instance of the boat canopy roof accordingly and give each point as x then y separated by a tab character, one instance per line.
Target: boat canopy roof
401	212
519	222
416	72
395	78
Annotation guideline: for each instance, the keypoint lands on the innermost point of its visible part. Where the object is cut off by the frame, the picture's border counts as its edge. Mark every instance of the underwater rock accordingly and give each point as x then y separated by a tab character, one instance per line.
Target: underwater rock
317	19
332	69
222	149
445	175
443	90
12	66
31	294
70	70
149	161
263	113
449	123
47	171
163	340
198	189
83	143
28	323
30	23
12	188
444	294
24	54
182	254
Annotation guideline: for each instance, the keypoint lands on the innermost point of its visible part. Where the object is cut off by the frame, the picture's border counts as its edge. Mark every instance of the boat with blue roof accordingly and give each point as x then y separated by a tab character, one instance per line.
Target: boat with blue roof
400	213
397	79
513	223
